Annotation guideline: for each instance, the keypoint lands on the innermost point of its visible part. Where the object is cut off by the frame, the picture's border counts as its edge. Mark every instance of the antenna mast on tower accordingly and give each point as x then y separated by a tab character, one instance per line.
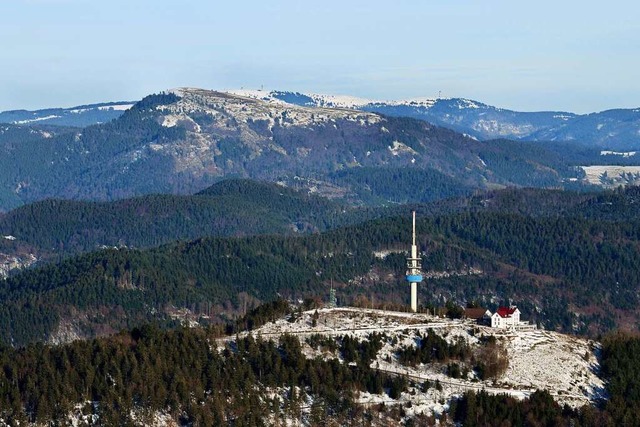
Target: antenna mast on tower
414	273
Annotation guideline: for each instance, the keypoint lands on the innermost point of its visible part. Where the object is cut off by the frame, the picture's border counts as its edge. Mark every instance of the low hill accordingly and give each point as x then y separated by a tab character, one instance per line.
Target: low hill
532	359
229	208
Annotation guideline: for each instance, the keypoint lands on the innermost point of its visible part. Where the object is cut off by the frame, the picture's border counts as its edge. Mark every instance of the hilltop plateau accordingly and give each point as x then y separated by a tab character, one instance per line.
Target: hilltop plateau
564	365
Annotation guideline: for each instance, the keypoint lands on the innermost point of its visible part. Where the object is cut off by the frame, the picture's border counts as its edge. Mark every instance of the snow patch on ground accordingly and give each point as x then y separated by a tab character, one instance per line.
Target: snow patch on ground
612	176
499	128
9	263
170	121
565	365
467	271
382	254
84	414
117	107
339	101
398	148
37	119
467	103
618	153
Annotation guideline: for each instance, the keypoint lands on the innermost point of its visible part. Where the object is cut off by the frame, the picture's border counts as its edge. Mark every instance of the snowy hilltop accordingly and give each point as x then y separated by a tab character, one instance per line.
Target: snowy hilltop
565	366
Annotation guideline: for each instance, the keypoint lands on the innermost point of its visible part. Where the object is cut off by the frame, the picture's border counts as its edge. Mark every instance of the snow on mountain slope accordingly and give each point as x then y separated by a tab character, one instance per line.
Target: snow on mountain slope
326	100
223	103
616	153
228	133
253	134
189	139
615	129
463	115
35	119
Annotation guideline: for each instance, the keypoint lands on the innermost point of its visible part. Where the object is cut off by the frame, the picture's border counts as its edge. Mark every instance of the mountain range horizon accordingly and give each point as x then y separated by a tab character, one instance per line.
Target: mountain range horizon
614	130
335	95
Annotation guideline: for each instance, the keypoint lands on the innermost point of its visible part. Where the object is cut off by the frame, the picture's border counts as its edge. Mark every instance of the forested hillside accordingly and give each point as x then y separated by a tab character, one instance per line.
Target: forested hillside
52	229
566	273
621	204
135	375
22	150
230	208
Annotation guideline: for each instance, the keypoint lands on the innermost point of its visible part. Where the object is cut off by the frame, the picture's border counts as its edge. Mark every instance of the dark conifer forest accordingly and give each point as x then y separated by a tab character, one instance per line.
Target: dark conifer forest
570	261
200	377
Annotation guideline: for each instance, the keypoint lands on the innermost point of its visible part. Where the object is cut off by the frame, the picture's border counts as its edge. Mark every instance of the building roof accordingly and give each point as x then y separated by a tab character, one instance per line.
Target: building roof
474	313
506	311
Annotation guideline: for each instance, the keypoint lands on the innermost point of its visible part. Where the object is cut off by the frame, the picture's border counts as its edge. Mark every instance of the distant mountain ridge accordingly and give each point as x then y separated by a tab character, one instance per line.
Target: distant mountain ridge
614	129
183	141
80	116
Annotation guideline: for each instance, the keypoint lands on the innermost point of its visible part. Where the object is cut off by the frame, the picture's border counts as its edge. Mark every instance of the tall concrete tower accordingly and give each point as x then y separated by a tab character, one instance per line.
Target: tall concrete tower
414	273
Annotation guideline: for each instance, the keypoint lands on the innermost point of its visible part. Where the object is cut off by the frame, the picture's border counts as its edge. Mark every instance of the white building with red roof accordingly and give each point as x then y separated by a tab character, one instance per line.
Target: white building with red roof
506	317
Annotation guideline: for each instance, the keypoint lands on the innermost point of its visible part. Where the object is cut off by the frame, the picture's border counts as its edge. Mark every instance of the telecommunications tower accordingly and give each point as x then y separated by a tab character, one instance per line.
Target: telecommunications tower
414	274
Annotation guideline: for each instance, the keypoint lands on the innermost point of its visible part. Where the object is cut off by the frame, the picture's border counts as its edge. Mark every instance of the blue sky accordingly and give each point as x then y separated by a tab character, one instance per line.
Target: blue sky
579	56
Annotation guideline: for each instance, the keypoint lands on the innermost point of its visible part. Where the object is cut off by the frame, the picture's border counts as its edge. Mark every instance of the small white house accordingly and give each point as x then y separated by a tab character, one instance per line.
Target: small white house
505	317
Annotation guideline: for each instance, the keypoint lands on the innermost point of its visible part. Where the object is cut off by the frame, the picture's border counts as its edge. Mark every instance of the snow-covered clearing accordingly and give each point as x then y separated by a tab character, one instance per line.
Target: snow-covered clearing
399	147
115	107
618	153
37	119
611	175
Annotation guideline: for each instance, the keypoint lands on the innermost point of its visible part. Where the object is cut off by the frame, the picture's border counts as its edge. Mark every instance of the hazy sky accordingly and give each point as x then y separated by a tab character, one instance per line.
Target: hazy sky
579	56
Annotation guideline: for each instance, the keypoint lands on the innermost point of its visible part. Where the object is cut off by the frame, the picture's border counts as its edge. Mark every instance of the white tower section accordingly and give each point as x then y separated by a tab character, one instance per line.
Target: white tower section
414	273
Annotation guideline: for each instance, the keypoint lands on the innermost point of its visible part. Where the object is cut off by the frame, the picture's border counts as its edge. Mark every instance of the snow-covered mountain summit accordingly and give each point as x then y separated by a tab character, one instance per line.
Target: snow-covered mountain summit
328	101
249	106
